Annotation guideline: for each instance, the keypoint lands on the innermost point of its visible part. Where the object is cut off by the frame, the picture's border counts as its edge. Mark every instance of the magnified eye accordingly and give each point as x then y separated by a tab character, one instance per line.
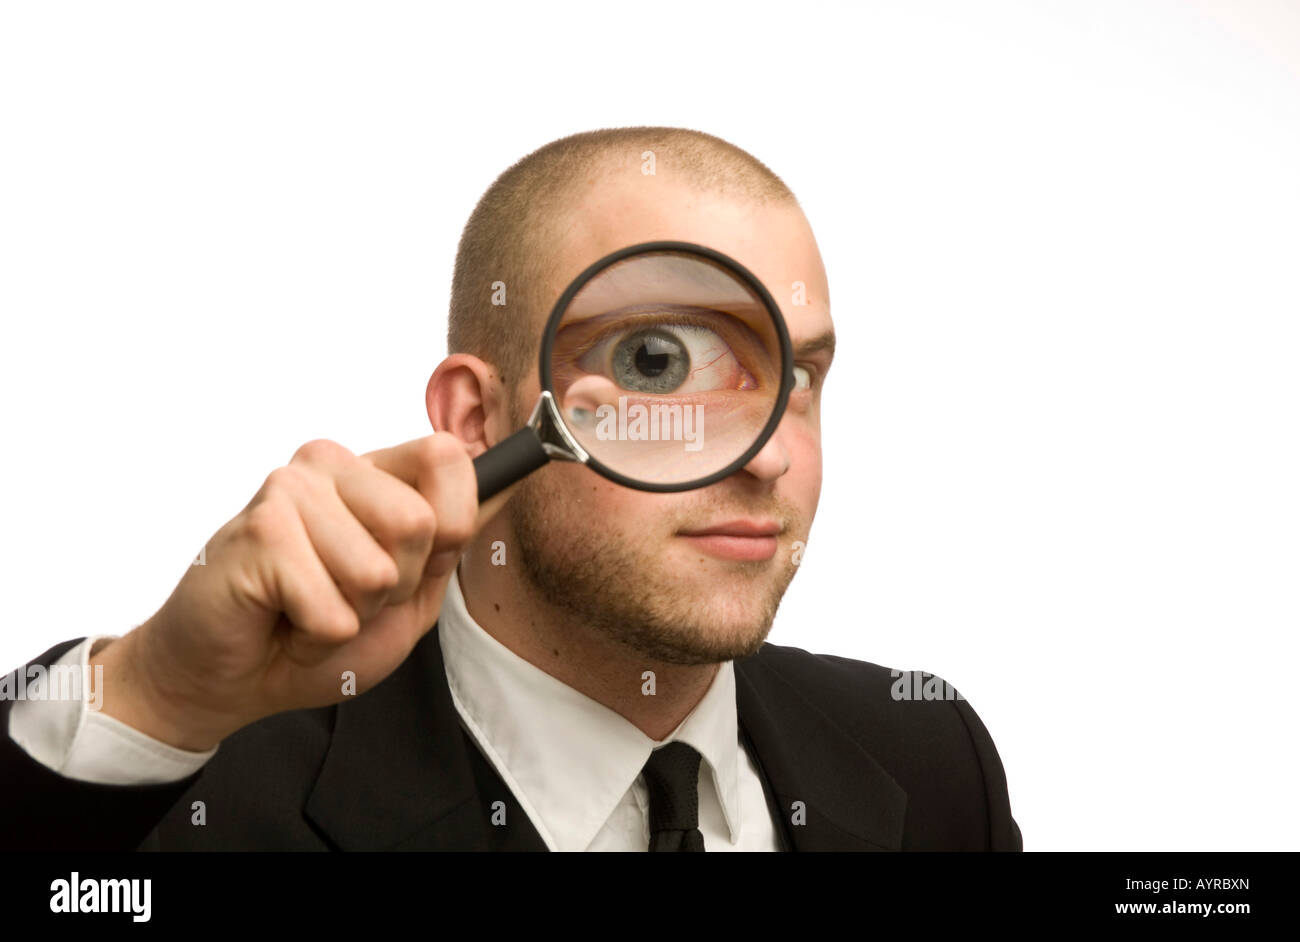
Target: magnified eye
680	358
652	361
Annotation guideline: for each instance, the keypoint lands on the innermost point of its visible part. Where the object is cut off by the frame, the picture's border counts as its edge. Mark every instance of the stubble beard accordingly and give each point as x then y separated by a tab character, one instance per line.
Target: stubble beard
607	581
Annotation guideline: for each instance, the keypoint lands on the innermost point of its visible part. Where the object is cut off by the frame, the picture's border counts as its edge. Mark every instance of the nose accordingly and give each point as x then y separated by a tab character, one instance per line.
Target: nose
772	460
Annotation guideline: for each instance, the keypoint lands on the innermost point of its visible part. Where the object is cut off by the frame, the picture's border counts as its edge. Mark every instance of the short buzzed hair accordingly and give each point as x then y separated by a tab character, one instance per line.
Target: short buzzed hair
507	235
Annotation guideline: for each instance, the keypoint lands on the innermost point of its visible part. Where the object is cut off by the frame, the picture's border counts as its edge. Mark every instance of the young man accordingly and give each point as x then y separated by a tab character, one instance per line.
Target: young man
352	668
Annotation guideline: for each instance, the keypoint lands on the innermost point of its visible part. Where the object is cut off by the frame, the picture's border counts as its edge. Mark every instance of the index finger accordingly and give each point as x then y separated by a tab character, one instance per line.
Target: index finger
440	455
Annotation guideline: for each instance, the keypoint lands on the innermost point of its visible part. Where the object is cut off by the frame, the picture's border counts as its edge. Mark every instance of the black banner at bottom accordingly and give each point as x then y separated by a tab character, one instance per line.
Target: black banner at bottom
79	892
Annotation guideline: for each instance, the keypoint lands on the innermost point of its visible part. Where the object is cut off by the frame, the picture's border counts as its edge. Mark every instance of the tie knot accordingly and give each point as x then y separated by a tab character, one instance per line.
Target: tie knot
672	775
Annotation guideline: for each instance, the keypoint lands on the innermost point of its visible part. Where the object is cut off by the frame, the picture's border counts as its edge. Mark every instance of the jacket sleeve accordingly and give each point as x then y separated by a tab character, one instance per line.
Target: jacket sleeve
43	810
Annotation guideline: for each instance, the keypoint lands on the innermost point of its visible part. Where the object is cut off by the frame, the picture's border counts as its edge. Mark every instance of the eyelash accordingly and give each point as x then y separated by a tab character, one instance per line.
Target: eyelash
628	326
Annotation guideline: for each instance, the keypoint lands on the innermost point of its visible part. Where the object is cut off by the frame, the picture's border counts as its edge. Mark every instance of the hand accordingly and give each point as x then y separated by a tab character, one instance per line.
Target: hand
339	563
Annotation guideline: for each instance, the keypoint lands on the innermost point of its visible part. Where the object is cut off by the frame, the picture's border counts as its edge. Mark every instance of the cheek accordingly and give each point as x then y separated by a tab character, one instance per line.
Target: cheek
804	479
586	499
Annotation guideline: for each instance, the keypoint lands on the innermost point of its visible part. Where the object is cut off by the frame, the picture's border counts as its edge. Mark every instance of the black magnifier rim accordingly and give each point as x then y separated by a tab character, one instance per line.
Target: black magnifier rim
745	275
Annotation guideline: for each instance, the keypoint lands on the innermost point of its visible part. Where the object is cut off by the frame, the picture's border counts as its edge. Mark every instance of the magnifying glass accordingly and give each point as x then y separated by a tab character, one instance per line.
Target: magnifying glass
665	366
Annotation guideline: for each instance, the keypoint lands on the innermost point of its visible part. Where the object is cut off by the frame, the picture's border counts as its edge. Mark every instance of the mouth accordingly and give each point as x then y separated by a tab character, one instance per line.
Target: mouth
746	540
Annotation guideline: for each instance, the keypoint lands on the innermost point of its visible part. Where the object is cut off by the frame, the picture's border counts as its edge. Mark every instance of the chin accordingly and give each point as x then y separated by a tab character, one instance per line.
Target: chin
727	597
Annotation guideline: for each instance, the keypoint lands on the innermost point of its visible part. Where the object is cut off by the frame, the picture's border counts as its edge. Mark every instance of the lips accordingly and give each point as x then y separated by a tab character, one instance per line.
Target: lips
742	528
740	540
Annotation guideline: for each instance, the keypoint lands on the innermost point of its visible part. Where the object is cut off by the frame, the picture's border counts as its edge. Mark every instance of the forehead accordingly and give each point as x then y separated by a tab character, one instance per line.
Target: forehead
772	240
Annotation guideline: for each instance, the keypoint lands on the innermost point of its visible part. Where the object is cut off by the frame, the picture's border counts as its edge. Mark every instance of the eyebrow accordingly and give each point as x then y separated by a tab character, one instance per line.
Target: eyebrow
824	341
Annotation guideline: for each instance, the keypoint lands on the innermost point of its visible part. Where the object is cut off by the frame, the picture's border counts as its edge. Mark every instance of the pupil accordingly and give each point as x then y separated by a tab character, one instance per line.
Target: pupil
650	364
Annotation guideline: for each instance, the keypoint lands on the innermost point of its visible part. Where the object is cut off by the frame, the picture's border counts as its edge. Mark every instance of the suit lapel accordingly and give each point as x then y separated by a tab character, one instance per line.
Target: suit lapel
848	800
398	774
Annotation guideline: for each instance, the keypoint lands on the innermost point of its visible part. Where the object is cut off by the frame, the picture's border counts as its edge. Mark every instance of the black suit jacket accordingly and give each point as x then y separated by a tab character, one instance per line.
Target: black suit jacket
393	770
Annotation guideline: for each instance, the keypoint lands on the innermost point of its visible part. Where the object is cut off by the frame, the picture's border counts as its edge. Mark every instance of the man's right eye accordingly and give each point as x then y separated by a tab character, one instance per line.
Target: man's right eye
668	358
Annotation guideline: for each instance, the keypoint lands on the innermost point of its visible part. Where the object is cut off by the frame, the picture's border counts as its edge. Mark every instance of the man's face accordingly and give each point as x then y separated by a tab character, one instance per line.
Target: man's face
622	562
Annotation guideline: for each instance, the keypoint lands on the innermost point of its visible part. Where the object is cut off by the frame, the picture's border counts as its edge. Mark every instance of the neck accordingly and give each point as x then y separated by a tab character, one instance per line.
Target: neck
507	606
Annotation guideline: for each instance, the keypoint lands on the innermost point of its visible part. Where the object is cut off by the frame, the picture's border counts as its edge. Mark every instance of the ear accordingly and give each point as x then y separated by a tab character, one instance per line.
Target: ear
465	396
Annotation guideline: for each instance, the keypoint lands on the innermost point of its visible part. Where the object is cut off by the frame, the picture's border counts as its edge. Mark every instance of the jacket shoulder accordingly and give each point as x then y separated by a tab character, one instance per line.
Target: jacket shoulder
918	727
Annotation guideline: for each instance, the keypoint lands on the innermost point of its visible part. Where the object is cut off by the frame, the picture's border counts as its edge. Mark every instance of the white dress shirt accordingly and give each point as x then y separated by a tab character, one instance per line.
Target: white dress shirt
573	764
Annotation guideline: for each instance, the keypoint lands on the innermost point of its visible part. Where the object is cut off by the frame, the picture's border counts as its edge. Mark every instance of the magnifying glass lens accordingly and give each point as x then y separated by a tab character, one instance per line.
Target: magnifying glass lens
666	367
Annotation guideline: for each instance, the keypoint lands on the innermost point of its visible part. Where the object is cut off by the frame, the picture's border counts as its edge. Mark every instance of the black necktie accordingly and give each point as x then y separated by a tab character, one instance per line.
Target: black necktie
672	777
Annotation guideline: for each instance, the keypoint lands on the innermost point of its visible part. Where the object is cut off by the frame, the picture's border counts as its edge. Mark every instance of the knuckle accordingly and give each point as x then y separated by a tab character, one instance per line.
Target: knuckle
343	623
378	575
415	523
456	530
441	451
270	521
320	451
284	480
427	450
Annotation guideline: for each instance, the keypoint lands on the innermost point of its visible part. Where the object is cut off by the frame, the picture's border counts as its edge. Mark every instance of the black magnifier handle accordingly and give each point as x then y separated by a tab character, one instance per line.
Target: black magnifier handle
508	461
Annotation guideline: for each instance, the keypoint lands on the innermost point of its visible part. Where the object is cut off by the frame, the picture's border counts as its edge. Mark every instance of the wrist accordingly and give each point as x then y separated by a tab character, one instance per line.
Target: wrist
136	695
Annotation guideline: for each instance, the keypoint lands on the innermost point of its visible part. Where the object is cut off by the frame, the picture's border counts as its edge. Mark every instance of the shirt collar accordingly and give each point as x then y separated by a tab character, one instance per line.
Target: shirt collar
568	759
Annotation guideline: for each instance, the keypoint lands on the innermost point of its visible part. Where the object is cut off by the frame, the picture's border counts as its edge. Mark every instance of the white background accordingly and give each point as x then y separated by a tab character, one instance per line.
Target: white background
1062	239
